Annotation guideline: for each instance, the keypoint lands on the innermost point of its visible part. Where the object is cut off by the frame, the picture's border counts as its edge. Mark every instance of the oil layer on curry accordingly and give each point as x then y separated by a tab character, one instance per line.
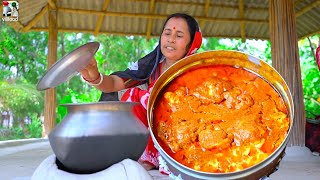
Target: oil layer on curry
220	119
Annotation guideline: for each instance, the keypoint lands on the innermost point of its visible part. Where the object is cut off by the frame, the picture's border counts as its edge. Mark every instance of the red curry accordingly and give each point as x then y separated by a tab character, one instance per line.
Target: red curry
220	119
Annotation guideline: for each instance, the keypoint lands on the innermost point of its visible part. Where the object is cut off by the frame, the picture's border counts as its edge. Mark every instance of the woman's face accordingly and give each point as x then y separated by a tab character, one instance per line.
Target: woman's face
175	39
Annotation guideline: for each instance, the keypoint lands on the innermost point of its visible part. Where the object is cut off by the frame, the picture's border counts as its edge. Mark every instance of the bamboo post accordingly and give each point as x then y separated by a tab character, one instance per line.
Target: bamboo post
205	13
285	58
101	17
242	24
50	94
150	21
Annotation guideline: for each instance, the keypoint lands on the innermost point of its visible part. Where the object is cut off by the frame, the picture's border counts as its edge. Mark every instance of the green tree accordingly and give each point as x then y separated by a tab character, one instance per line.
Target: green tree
22	60
118	52
310	75
21	99
22	54
257	48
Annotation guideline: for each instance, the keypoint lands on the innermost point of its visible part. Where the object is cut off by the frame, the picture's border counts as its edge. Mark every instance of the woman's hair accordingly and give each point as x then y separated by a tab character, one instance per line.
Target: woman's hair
193	25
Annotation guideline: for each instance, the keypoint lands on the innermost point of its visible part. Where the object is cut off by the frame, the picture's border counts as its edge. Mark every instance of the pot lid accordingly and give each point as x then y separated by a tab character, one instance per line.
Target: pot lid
68	66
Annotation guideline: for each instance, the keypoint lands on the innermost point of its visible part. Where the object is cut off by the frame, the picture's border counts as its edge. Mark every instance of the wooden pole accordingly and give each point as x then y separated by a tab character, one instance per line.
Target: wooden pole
285	58
101	17
50	94
242	24
150	21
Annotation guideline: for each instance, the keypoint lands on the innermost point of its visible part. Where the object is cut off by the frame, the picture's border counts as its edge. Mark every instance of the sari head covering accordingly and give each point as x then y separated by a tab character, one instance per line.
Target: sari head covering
146	66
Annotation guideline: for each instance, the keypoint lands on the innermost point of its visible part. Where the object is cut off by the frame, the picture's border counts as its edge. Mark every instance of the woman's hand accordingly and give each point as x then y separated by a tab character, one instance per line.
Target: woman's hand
90	72
104	83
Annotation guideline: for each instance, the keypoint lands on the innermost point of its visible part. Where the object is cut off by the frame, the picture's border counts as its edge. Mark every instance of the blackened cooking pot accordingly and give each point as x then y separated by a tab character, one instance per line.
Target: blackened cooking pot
238	60
94	136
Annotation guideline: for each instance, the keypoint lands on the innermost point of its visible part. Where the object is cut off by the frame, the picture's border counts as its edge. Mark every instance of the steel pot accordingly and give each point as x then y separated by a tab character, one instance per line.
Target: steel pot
236	59
94	136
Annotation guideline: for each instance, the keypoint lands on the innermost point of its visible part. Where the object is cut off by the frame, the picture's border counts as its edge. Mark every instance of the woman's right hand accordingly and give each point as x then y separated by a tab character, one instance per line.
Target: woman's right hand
90	72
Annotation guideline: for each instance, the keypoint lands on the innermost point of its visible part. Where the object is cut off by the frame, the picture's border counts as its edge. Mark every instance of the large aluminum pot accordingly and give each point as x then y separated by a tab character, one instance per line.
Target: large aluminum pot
236	59
94	136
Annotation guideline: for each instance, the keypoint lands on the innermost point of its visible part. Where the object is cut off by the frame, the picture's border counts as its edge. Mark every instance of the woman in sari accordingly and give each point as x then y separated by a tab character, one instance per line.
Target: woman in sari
180	37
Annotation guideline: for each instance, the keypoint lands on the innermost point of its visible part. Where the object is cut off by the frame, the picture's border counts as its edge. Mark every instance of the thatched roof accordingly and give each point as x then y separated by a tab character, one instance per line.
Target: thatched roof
247	19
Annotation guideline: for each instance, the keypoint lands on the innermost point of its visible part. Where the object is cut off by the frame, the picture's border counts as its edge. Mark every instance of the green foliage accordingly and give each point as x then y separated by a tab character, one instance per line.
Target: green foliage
20	98
257	48
34	128
310	75
74	97
24	54
116	53
10	134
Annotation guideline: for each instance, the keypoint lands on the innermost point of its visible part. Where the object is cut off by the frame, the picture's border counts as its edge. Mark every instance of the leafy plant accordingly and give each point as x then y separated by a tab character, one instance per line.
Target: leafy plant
34	128
20	98
310	79
11	133
74	97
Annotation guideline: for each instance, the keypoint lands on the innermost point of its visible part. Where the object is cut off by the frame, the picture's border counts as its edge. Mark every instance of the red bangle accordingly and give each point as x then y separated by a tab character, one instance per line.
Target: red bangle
91	80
